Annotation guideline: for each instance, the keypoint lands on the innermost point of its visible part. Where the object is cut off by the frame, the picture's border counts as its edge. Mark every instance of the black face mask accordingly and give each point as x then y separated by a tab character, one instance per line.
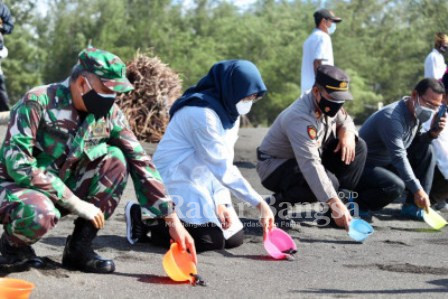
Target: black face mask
442	49
98	104
328	107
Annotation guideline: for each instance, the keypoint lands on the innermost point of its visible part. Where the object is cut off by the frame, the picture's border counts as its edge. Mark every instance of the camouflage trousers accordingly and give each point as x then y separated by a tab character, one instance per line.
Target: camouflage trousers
27	214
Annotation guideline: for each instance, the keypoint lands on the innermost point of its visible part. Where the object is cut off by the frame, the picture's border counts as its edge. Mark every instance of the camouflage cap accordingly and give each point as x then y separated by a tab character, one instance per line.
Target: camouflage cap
107	66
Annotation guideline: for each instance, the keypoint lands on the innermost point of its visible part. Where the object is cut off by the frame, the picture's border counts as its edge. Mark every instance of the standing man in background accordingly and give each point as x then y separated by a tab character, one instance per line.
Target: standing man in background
436	68
435	62
317	48
6	27
439	189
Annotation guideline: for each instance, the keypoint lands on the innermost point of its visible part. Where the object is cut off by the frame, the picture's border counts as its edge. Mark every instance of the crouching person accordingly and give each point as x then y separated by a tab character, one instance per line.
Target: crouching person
69	149
312	151
195	159
400	156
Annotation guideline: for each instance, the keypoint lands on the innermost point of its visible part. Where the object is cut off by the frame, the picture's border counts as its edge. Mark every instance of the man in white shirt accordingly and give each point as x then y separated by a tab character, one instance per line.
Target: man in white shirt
439	189
317	48
435	67
435	62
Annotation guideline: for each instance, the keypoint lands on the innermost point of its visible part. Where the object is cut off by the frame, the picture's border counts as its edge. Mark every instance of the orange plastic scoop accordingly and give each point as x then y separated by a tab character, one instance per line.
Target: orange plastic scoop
179	264
11	288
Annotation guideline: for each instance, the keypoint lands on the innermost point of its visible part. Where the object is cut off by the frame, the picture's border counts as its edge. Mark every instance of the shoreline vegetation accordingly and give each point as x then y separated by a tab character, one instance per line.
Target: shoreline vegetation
381	45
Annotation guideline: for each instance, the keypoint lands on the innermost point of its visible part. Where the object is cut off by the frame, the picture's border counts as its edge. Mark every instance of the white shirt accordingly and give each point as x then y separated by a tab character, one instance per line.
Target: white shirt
195	160
3	55
440	145
316	47
435	65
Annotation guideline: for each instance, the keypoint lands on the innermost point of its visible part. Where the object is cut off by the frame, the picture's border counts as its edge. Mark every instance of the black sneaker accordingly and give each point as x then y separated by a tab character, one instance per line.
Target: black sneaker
136	229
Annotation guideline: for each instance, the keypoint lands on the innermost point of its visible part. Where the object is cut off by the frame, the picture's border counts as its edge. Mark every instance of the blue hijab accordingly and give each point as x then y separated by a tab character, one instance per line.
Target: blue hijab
226	83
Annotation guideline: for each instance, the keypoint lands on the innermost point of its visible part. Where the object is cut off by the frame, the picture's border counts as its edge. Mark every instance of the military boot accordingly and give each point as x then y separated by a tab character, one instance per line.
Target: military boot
17	258
79	254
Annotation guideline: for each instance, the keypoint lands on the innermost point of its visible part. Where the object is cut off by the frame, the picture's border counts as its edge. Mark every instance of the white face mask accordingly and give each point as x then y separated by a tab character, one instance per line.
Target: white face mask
243	107
332	28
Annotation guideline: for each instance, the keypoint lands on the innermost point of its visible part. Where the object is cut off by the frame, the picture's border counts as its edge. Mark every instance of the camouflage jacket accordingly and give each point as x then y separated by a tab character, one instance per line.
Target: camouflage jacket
46	137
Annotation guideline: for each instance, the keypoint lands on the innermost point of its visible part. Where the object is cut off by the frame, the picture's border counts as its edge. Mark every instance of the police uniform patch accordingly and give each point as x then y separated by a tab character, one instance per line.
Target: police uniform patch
312	132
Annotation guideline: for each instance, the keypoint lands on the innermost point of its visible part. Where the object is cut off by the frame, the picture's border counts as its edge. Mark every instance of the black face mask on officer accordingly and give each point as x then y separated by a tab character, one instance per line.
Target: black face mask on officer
328	107
99	104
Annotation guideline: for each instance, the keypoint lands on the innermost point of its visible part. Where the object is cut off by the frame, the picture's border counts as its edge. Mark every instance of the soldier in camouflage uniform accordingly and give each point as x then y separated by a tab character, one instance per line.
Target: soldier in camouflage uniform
69	149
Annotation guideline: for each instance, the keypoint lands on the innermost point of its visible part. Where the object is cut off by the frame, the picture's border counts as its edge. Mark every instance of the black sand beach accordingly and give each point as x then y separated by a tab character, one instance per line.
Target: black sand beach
402	259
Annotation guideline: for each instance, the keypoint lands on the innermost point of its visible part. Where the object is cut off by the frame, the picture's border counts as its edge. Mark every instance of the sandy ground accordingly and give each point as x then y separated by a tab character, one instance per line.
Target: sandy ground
402	258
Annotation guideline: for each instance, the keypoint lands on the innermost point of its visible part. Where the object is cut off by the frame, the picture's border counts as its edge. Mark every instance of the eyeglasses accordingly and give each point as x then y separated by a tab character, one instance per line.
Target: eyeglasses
427	104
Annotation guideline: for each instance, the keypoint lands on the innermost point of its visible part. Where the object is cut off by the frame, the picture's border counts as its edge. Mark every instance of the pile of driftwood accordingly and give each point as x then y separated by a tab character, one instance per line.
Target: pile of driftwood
146	107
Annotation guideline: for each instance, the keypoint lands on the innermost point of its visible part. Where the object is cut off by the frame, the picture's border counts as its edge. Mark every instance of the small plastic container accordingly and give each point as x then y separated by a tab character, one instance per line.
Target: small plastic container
179	264
359	230
434	219
279	244
12	288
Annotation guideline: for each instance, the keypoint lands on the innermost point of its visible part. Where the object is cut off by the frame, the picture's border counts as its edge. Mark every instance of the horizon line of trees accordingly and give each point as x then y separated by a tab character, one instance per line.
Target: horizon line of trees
381	44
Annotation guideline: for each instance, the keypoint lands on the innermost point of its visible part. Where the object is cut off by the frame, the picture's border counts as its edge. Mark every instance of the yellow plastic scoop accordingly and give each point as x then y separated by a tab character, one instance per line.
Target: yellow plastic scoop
434	219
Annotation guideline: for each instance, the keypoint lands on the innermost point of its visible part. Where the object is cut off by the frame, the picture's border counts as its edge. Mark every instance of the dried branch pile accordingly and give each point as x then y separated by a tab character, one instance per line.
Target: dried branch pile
146	107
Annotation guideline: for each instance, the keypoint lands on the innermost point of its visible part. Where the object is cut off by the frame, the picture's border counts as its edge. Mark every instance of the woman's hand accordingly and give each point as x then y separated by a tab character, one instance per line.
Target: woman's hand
180	235
267	218
224	216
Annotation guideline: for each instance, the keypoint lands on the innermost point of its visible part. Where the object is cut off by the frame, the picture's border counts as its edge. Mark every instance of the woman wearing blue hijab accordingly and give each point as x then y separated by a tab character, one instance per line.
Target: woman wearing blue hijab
195	159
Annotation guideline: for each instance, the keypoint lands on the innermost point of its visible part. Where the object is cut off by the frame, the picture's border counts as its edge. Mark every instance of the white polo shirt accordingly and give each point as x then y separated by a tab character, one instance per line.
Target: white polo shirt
435	65
440	146
316	47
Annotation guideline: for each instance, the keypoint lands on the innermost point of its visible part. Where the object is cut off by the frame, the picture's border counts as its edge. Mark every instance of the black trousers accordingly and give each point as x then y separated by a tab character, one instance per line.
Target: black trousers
290	182
206	236
380	186
4	100
439	189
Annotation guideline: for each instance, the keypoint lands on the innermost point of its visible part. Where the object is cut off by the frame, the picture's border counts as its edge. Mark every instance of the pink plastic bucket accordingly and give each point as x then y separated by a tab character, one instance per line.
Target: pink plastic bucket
279	244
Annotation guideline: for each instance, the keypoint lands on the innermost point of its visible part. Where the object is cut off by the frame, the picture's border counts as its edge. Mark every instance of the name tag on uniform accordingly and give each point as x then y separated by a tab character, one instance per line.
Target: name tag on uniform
99	130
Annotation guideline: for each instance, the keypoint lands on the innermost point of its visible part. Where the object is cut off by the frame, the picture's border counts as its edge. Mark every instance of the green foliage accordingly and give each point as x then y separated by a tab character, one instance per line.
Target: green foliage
22	66
365	101
381	43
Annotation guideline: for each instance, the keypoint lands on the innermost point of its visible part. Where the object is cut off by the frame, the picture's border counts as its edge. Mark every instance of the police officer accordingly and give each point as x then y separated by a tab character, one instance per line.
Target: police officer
69	149
312	149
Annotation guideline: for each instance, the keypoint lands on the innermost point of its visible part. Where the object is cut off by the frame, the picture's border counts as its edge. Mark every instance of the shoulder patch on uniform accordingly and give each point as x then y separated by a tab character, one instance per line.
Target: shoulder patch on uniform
312	132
